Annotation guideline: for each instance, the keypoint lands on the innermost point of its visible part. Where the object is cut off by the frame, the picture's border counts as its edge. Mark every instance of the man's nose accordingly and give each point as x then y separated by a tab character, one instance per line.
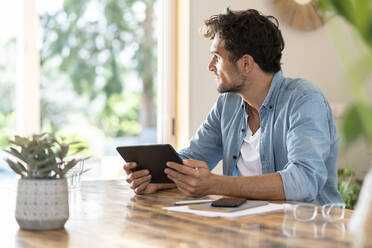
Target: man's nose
211	65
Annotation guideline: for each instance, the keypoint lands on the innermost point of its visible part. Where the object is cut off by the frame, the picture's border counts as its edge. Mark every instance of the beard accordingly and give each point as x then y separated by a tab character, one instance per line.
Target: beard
223	86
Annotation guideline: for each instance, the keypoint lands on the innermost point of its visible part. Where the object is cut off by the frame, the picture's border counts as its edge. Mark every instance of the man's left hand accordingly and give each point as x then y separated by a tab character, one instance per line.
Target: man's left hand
193	178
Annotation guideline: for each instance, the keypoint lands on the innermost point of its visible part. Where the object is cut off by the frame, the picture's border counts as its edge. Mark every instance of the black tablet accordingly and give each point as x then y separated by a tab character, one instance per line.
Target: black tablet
151	157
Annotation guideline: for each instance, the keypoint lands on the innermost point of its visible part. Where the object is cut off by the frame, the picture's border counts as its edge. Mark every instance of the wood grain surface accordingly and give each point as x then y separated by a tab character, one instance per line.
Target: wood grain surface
108	214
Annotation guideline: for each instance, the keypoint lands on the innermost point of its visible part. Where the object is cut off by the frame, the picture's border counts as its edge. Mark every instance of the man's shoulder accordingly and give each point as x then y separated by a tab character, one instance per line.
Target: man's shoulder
298	92
299	87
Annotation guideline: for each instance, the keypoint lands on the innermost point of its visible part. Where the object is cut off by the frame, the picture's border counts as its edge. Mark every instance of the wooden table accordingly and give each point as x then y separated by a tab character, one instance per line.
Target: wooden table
108	214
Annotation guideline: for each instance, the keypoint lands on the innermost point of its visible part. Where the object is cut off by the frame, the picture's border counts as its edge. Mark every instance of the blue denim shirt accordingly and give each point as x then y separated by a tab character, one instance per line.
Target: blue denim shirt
298	139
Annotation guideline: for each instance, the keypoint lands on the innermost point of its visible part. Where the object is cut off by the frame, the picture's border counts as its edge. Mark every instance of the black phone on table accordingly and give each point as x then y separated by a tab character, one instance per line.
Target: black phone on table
231	202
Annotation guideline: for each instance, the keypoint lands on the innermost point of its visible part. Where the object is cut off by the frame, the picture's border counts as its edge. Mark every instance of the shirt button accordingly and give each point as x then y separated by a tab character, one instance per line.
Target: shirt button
243	130
234	157
270	107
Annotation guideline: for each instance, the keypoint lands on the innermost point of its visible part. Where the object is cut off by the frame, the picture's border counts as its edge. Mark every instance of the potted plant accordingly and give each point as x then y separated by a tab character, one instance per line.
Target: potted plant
42	194
357	121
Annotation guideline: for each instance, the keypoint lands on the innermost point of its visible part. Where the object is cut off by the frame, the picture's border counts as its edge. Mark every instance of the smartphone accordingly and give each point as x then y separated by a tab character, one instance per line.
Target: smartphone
231	202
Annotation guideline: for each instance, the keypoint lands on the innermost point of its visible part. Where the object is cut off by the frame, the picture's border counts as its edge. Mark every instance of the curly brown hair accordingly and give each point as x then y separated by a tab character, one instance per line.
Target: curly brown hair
248	32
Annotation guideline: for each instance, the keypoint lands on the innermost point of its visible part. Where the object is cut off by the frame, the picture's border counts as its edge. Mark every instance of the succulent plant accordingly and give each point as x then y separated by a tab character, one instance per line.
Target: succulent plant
42	156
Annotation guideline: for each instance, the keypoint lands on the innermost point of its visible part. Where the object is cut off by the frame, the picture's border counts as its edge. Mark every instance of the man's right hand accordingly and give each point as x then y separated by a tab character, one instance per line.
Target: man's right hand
140	180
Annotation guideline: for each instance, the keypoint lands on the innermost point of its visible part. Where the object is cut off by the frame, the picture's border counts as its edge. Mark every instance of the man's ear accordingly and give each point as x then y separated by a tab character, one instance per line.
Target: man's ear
247	63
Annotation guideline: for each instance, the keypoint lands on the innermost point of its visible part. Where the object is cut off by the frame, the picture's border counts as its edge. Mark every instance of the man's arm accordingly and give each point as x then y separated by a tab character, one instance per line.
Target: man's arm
206	143
264	187
193	178
308	145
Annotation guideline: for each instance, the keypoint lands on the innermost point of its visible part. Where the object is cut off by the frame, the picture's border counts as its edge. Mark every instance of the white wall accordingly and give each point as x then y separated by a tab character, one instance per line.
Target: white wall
310	55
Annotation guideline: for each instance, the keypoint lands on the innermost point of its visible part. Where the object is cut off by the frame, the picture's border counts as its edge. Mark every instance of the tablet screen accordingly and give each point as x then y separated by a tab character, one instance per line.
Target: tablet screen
151	157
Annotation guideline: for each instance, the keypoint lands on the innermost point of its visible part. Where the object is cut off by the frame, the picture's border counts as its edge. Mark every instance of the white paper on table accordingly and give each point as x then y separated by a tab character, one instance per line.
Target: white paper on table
271	207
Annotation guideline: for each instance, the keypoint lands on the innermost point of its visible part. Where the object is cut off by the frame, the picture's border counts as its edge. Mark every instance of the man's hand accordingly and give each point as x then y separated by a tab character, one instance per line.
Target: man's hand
193	178
140	180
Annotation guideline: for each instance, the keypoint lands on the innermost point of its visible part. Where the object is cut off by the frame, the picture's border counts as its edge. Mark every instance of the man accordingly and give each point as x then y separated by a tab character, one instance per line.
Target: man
275	135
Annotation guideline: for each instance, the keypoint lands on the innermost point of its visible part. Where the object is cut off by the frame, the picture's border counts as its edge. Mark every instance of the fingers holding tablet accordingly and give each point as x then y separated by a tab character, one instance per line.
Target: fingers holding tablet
138	180
187	170
134	175
145	188
128	167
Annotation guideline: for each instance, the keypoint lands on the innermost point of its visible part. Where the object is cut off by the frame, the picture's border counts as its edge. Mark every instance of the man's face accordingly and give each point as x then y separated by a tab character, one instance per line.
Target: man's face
229	77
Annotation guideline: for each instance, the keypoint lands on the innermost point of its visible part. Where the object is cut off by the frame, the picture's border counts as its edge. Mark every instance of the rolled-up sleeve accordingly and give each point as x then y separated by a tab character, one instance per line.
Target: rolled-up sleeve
308	145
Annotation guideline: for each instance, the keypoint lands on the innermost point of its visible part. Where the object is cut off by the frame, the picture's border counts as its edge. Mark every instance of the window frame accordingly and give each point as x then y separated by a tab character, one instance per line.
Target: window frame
28	70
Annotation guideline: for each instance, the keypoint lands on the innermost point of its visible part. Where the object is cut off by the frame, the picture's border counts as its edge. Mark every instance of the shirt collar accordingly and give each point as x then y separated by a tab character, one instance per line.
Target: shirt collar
274	90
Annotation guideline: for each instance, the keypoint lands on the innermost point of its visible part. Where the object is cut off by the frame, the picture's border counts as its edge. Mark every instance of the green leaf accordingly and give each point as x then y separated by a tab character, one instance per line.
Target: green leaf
351	126
344	186
70	165
20	141
78	150
365	114
85	171
348	171
63	151
17	167
14	152
74	143
48	168
348	186
50	160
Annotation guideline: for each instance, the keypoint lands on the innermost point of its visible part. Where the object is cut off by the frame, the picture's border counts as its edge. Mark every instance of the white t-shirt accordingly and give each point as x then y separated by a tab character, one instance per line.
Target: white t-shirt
249	163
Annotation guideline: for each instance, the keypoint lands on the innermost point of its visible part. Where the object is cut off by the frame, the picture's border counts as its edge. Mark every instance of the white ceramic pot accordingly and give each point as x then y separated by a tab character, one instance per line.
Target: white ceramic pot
42	204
